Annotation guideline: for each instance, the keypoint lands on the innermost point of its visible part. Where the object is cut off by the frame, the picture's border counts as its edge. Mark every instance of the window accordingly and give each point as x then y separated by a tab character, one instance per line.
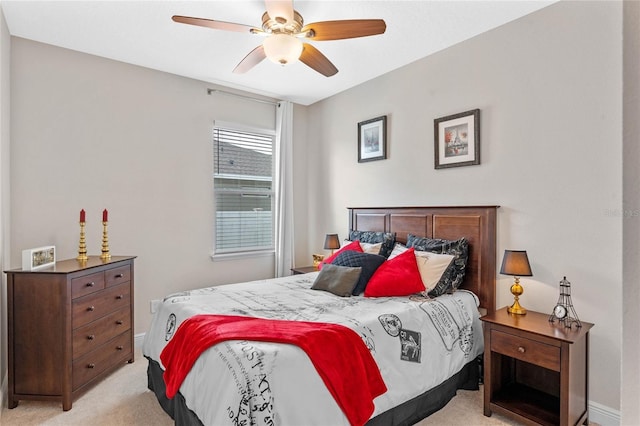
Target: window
243	190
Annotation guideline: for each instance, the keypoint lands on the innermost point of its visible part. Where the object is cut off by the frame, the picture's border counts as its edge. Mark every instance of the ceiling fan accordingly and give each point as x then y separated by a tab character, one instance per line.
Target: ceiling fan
284	29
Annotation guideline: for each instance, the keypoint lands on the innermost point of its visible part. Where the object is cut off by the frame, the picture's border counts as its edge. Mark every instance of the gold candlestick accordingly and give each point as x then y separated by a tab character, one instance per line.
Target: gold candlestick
82	247
105	243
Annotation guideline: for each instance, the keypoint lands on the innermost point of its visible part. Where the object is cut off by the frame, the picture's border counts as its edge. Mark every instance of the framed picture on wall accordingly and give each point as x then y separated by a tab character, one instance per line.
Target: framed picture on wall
457	139
372	139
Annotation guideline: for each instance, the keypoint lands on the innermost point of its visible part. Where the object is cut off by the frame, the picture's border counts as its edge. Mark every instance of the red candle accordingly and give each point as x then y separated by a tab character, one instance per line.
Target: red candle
82	215
104	215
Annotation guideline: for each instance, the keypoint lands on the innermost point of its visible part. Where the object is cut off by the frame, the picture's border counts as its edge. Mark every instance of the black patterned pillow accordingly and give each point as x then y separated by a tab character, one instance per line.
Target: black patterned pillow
454	275
388	240
367	261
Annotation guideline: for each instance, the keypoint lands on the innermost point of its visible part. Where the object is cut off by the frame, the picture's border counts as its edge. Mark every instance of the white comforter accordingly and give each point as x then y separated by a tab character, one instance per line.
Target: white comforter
417	343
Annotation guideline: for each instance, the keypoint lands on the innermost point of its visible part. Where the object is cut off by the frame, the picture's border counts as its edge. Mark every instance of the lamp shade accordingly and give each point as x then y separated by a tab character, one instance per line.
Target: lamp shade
516	262
282	48
331	242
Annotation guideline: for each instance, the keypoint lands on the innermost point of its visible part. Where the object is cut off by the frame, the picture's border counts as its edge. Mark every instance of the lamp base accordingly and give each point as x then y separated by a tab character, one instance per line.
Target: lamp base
516	308
516	290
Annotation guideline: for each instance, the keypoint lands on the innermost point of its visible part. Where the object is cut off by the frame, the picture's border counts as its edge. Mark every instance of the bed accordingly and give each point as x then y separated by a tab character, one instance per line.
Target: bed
245	381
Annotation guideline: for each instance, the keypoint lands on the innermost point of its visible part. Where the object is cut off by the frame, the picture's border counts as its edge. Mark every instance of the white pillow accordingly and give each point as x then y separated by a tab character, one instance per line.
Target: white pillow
366	247
430	265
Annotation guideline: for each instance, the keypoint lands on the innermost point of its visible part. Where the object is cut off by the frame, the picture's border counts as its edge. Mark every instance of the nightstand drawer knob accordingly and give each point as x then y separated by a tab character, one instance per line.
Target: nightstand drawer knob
119	348
521	349
91	284
91	308
91	366
119	275
120	297
91	337
119	322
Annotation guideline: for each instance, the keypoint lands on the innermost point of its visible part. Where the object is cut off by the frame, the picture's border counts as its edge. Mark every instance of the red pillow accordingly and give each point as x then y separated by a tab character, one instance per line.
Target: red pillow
353	245
396	277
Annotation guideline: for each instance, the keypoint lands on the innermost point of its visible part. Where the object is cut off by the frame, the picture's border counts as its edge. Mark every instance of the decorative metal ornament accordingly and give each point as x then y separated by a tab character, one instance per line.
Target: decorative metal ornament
563	311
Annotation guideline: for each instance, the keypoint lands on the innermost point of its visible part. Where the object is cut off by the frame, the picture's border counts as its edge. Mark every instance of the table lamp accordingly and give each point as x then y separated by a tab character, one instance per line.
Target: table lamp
516	263
331	242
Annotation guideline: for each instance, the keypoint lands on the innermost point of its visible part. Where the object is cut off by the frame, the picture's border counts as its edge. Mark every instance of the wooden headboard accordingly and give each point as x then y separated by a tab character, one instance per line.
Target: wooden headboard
477	224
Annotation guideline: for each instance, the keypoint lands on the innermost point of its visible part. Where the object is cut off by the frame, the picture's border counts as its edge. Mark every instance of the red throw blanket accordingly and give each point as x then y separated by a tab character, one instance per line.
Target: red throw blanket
338	353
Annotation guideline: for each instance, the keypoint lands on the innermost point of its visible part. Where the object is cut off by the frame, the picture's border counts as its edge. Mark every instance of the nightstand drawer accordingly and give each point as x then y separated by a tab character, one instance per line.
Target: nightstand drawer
527	350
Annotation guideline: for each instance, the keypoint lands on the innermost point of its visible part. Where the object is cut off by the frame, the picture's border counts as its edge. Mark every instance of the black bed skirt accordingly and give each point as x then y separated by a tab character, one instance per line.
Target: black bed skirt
407	413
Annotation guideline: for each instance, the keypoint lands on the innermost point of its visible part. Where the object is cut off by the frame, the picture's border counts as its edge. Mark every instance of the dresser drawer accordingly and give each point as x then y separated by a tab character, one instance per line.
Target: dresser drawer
117	276
527	350
95	334
115	351
89	308
87	284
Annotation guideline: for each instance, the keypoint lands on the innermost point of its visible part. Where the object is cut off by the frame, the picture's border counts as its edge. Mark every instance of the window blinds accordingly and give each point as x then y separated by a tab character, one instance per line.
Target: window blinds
243	190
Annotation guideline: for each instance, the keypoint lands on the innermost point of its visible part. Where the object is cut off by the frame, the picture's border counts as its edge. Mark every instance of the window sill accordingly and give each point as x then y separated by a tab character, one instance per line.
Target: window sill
242	255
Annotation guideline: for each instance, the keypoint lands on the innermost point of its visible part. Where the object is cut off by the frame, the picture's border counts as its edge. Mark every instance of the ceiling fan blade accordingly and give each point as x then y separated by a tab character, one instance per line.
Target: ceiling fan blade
216	25
251	60
313	58
280	9
350	28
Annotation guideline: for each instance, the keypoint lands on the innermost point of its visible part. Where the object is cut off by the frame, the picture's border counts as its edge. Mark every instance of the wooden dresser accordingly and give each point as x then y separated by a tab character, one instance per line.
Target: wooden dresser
69	326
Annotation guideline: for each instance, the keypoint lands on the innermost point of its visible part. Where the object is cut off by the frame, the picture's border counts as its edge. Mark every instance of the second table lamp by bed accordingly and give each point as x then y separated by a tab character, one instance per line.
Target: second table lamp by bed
331	242
516	263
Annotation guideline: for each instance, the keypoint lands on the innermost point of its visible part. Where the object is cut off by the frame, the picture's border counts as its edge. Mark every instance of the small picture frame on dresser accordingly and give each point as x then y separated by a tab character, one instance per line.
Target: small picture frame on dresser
38	258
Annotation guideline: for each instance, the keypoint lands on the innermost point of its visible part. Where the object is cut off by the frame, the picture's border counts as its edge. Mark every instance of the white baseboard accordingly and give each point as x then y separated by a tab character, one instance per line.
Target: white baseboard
603	415
137	340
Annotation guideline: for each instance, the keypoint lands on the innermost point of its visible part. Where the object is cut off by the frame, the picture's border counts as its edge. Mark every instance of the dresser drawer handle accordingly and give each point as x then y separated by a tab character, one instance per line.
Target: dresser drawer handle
120	297
91	308
119	322
91	284
91	337
119	275
521	349
91	366
119	348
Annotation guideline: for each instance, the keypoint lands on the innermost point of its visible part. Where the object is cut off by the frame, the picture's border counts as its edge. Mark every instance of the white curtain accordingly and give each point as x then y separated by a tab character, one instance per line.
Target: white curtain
284	189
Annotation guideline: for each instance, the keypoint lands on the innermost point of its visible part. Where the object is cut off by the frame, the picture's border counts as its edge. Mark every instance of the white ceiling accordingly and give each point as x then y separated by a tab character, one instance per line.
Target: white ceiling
142	33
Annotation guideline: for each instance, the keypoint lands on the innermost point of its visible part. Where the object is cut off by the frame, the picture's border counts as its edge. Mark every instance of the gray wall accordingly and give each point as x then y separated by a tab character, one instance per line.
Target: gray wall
549	87
92	133
631	221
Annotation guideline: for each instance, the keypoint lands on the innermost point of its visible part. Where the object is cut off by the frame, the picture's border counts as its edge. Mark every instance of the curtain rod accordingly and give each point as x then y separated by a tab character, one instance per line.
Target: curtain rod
210	91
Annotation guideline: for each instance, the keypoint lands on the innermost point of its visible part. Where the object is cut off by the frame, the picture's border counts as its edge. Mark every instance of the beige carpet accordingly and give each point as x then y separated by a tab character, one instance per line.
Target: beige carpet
123	399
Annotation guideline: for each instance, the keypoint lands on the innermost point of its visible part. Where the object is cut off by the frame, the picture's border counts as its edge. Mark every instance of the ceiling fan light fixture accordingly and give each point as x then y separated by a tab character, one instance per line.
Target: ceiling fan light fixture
281	11
282	48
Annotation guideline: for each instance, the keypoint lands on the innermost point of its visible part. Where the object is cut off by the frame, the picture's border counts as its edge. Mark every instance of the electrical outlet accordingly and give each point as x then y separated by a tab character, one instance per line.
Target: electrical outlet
154	305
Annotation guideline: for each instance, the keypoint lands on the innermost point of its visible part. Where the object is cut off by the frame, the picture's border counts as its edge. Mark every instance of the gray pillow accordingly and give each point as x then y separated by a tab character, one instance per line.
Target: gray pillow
367	261
339	280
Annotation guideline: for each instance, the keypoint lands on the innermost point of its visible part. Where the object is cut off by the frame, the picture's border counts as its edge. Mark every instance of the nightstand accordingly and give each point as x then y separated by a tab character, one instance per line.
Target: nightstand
303	270
536	371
